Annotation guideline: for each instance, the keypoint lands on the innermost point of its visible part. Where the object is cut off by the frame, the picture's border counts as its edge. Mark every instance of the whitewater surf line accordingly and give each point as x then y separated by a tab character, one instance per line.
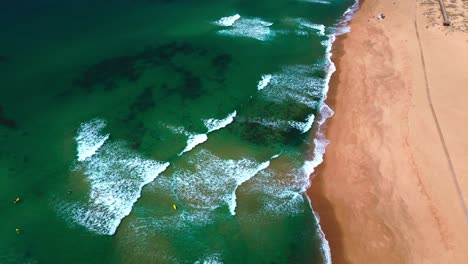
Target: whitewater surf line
213	181
211	124
238	26
90	138
116	176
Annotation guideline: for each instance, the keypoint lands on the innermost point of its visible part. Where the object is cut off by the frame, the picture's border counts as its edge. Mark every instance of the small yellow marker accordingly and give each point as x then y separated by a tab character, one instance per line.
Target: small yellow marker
17	200
18	231
174	206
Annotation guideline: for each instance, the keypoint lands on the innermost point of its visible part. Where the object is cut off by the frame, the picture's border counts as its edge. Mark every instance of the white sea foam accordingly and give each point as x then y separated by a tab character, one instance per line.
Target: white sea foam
284	124
116	176
216	124
320	141
295	83
303	126
240	179
343	26
249	27
213	259
271	123
193	141
316	1
228	21
283	191
213	181
211	124
90	138
264	81
305	24
180	222
325	246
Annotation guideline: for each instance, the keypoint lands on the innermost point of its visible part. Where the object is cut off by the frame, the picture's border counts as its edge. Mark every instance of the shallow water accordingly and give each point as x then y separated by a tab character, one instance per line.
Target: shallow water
154	131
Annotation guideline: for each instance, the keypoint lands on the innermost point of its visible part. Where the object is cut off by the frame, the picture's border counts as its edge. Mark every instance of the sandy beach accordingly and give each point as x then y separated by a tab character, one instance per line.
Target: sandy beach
393	187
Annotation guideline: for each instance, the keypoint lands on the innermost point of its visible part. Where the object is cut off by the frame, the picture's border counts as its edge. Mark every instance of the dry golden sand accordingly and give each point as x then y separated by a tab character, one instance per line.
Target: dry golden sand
394	184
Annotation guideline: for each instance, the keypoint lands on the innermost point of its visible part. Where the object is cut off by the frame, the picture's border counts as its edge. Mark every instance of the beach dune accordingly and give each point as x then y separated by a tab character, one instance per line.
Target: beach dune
393	187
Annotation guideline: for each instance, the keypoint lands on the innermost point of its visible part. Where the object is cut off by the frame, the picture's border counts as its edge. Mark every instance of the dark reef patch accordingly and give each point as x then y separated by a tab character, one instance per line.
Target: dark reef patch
144	101
3	58
221	62
5	121
107	73
265	136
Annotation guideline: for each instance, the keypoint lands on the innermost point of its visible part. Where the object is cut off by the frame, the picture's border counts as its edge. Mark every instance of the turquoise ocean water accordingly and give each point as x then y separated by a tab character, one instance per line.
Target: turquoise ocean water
163	131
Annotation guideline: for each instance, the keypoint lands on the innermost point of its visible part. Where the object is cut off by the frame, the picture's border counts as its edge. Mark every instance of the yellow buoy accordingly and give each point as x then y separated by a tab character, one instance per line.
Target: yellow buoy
17	200
174	206
18	231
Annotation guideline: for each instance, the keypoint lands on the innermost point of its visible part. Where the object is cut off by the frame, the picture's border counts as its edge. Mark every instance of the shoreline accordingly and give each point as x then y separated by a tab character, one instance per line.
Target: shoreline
378	193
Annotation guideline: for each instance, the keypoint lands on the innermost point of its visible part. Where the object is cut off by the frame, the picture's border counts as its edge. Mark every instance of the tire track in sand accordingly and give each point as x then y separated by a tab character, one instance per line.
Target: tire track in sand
439	129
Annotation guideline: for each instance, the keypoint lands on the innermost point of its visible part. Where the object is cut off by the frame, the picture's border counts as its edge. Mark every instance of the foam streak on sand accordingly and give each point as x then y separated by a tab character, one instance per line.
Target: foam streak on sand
116	176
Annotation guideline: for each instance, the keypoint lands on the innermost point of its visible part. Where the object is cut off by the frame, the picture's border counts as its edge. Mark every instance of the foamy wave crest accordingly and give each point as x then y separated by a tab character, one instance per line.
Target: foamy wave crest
343	26
180	222
271	123
296	83
320	142
116	176
228	21
325	246
307	25
264	81
285	125
216	124
283	191
303	126
211	124
193	141
90	138
240	179
247	27
316	1
213	259
213	181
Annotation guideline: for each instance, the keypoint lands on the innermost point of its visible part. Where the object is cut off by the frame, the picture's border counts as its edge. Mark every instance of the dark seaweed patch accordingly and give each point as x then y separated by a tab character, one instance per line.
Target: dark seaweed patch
265	136
3	58
136	137
5	121
108	72
191	85
221	62
144	101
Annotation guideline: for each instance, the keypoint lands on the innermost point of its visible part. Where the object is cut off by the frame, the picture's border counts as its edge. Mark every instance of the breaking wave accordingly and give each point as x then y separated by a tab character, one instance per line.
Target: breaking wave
90	138
264	82
116	176
238	26
213	181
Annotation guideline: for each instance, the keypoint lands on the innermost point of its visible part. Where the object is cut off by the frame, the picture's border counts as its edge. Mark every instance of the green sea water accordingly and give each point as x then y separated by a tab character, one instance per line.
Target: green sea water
162	131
